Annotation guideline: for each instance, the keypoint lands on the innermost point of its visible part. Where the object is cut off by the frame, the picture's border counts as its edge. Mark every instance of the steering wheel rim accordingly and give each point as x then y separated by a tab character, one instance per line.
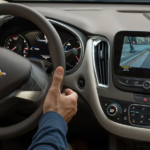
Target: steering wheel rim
57	57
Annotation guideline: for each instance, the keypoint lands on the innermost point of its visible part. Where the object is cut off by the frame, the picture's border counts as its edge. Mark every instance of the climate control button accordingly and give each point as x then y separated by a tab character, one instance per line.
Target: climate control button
112	110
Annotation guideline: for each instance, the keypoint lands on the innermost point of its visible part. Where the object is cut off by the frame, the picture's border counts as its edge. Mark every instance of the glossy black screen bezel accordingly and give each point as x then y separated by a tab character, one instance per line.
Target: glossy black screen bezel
118	43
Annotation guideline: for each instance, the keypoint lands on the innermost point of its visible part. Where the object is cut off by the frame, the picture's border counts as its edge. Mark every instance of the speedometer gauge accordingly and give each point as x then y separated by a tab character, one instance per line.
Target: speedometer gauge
72	43
18	44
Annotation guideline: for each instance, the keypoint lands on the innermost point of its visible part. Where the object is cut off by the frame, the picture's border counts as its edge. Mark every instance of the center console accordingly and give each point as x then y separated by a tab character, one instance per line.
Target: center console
131	73
128	113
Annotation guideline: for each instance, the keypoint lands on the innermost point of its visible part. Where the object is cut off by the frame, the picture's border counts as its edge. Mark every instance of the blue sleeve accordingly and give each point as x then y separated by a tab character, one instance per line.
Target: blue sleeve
51	134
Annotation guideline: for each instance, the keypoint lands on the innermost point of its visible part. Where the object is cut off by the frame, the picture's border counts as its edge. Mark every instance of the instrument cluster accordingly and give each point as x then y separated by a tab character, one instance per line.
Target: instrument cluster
26	39
34	45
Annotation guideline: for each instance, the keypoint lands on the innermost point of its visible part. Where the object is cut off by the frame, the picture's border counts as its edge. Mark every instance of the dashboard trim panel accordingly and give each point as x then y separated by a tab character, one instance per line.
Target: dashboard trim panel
91	92
106	27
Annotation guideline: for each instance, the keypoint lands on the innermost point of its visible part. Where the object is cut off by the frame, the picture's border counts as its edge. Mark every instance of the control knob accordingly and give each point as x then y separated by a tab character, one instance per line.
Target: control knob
146	85
113	110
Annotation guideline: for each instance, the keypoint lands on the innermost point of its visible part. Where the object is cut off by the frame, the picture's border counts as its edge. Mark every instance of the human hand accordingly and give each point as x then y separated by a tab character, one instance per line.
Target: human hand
64	104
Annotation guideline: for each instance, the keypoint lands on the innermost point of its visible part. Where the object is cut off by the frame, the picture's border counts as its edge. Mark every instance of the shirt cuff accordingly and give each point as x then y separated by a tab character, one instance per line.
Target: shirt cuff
52	118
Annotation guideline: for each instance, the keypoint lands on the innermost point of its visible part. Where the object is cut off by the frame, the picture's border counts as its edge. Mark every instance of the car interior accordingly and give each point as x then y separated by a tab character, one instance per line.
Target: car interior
104	47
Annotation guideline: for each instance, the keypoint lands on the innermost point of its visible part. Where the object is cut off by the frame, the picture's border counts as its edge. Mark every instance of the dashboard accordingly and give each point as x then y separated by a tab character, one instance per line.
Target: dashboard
116	88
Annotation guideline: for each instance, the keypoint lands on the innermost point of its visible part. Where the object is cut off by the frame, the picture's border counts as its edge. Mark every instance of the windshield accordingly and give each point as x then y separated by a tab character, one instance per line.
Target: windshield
102	1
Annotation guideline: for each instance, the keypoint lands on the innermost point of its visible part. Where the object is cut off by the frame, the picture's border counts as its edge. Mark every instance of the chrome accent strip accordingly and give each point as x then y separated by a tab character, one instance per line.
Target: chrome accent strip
78	38
96	40
28	95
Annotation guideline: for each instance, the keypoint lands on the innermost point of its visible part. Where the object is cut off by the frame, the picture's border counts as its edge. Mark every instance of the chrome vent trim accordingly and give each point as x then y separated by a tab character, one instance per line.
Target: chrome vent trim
97	40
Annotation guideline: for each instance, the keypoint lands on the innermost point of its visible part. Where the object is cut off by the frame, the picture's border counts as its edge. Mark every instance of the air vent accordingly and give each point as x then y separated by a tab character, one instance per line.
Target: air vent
101	61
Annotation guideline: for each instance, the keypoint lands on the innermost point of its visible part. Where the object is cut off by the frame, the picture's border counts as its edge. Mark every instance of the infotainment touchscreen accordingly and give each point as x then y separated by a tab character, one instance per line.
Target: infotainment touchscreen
135	52
132	54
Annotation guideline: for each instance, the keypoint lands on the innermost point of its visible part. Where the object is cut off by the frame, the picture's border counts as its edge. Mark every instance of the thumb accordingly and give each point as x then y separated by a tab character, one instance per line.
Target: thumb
57	78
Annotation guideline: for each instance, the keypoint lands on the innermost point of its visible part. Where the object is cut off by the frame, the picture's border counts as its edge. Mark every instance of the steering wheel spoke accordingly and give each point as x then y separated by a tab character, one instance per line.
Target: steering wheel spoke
29	95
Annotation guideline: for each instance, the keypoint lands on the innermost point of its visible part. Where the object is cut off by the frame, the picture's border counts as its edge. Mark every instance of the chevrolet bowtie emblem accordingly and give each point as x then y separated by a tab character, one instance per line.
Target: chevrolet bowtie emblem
2	73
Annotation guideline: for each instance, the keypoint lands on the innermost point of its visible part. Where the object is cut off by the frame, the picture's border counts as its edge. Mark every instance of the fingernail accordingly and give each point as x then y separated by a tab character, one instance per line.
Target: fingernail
59	71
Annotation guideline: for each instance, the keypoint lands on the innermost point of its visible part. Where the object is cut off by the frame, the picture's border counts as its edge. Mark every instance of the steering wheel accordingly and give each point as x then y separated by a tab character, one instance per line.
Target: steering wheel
21	82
